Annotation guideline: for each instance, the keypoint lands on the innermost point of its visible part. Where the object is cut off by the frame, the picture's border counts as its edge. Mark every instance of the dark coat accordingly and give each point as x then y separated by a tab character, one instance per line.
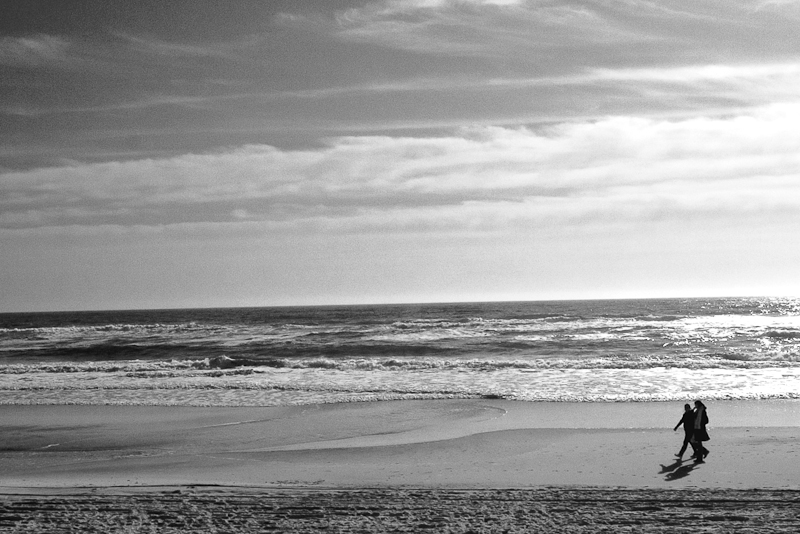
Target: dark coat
687	421
701	434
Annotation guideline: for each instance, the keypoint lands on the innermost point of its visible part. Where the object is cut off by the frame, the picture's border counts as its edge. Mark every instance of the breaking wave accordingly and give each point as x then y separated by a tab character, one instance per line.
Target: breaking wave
591	351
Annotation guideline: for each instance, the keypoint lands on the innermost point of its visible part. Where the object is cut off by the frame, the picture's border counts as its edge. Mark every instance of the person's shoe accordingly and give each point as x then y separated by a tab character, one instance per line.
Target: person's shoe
679	456
705	453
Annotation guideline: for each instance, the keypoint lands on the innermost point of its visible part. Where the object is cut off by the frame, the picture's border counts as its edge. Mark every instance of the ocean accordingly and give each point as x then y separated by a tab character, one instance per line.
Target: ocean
579	351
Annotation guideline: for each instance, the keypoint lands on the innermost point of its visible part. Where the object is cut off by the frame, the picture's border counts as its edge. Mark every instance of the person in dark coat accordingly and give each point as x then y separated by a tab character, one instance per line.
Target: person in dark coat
687	421
700	432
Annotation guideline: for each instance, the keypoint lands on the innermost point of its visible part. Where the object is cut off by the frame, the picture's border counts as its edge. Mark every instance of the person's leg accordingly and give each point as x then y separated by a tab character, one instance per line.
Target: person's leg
700	452
683	447
695	445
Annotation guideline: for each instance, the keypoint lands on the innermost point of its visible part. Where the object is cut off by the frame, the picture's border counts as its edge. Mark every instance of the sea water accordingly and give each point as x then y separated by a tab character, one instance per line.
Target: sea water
586	351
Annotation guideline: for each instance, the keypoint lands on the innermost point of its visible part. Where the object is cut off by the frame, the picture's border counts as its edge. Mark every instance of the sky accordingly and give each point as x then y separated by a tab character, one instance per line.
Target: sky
169	154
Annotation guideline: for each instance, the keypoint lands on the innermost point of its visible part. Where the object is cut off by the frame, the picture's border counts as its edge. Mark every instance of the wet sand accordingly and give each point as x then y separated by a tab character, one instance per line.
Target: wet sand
388	466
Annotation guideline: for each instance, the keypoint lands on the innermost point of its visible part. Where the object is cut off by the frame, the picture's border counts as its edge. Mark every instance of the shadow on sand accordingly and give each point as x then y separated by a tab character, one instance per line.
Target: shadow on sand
677	470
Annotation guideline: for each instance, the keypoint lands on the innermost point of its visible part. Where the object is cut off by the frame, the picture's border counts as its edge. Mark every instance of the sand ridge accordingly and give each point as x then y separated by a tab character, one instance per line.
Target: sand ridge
307	510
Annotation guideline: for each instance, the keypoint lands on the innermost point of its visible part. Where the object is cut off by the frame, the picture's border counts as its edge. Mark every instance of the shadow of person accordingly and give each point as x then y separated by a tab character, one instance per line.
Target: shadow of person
682	471
670	468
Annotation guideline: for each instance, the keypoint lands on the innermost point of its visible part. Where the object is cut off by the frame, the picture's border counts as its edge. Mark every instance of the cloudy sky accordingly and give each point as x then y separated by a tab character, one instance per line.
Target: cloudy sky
213	153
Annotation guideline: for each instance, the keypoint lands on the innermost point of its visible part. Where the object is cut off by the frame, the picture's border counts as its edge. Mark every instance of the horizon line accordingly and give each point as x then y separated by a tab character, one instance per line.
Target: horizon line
397	303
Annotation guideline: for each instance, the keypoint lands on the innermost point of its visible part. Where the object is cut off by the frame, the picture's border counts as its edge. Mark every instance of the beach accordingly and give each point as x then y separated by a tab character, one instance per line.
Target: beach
463	417
409	462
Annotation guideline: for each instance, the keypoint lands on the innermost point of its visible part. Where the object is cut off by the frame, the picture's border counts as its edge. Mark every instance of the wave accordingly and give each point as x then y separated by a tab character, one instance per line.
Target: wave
277	390
718	333
245	365
362	327
782	334
232	382
83	329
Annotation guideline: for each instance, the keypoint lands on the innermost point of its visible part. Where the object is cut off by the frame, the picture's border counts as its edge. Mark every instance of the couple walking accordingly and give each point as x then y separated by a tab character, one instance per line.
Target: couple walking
694	423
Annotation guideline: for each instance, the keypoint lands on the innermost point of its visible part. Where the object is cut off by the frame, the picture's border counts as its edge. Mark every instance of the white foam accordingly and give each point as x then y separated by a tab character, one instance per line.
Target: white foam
150	385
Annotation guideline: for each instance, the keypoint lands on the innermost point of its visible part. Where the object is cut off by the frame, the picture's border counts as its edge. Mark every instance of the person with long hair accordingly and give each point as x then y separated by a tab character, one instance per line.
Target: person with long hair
700	432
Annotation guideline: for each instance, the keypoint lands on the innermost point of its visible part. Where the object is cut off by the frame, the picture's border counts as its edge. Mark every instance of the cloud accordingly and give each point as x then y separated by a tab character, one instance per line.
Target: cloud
33	51
686	88
157	47
758	5
556	35
489	28
614	171
742	84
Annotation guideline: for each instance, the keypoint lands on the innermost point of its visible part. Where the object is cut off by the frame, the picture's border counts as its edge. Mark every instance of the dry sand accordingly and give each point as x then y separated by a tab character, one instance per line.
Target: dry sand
444	466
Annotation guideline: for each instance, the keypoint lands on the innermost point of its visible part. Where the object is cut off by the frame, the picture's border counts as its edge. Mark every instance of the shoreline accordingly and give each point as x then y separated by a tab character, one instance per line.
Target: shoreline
440	444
